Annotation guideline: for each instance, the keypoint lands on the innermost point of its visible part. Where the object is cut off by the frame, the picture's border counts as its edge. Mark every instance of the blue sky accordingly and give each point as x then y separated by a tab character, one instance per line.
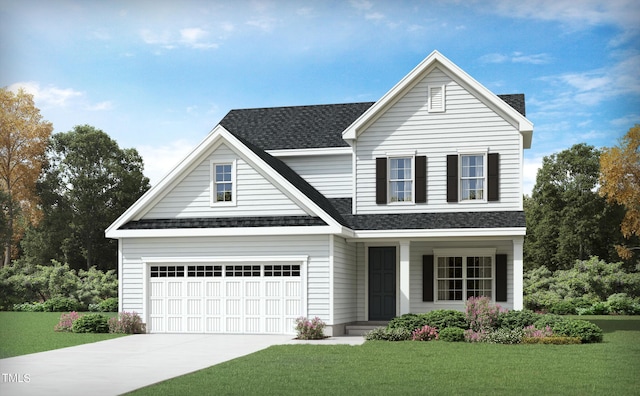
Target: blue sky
159	75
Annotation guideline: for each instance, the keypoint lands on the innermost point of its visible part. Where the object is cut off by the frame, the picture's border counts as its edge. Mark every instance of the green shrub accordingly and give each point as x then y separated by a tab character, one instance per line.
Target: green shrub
408	321
29	307
91	323
504	336
564	307
548	320
452	334
622	304
443	318
554	340
61	304
517	319
127	323
386	334
586	331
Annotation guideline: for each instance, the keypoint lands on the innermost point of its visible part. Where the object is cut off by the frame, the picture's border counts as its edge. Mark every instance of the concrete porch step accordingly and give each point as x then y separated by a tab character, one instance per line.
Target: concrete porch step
360	328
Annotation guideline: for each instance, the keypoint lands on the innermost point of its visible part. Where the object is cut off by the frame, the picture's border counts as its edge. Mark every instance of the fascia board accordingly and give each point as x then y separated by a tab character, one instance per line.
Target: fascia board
221	232
311	152
453	232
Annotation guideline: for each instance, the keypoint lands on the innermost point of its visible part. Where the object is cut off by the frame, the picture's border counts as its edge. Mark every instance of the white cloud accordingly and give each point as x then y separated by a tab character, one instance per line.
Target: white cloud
102	106
192	37
263	23
516	57
195	38
529	173
160	160
50	96
626	121
361	5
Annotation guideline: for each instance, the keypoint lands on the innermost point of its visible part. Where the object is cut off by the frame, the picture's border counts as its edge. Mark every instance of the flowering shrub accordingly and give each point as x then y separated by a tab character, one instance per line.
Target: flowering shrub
66	321
310	329
475	336
127	323
481	314
425	333
504	336
533	332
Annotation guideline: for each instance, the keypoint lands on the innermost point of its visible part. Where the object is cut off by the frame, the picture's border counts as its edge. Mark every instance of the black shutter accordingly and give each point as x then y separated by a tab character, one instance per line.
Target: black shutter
493	173
421	179
427	278
381	180
501	277
452	178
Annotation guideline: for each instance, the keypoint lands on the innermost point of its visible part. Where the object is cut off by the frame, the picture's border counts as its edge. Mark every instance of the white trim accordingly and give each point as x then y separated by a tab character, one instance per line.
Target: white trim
120	278
451	232
212	183
518	272
331	278
311	152
239	231
404	290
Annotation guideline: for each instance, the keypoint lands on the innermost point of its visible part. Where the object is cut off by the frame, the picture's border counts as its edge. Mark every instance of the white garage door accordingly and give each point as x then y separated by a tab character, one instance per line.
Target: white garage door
262	298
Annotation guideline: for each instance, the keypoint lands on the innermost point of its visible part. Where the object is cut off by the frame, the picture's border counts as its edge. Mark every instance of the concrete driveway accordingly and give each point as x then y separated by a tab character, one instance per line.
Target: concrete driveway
123	364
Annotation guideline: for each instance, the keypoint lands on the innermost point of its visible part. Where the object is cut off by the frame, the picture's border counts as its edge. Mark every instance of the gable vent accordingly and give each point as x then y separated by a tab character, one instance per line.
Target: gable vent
436	98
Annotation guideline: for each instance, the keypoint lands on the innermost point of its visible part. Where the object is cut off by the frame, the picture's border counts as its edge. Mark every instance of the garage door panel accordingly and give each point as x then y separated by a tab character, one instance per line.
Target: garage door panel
225	299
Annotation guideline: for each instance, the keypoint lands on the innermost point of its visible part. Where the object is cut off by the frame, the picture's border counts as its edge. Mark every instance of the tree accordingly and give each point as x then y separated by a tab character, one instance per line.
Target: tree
620	183
88	182
566	218
23	140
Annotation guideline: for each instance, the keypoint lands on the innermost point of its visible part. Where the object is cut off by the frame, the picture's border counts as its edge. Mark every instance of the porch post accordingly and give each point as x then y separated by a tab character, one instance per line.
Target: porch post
518	272
404	277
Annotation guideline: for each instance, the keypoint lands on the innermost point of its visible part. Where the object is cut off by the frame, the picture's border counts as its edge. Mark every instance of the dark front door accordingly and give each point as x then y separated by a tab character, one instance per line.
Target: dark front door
382	283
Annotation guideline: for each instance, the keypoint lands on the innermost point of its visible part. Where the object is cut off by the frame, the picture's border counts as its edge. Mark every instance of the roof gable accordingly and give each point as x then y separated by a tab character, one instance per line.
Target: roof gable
285	179
437	60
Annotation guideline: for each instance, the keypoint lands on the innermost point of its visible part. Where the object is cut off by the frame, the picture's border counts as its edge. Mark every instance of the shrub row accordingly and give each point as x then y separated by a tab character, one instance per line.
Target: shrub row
125	322
485	322
66	304
591	287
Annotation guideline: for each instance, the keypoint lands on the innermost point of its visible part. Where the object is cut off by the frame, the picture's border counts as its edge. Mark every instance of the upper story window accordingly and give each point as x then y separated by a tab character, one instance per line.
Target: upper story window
472	180
401	179
473	177
223	183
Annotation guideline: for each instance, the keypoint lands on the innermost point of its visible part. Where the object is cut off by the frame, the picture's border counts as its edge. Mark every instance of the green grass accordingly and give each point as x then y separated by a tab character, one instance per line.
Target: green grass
435	368
22	333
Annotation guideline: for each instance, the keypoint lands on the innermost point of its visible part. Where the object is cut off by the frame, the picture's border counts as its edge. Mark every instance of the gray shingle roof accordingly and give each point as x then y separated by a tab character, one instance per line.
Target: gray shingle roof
431	221
294	127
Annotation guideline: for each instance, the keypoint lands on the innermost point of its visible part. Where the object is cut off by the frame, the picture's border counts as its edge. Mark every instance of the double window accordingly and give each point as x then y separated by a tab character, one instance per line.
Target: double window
223	183
459	277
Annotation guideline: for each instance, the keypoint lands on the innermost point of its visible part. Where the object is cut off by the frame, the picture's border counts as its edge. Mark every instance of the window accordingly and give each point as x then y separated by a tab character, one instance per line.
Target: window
400	180
459	277
164	271
223	183
472	177
436	98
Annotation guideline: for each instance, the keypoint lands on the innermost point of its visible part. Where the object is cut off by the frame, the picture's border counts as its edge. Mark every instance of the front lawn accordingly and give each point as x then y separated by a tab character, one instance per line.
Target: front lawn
29	332
434	367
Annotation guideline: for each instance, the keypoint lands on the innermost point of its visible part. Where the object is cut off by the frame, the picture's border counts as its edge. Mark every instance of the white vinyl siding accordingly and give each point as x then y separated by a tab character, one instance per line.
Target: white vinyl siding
255	195
329	174
344	281
315	247
467	125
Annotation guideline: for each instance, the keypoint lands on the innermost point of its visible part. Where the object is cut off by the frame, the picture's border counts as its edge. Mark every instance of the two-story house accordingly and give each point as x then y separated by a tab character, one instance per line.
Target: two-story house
349	212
